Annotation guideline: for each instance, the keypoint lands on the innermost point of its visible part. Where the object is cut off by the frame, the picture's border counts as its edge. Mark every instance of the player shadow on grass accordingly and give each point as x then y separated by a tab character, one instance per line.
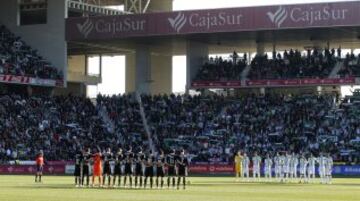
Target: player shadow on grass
66	186
267	183
244	184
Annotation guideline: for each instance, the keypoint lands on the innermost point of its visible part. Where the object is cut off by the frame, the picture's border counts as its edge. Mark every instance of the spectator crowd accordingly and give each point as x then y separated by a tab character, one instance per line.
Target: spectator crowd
351	66
316	64
18	58
56	125
210	128
220	69
287	65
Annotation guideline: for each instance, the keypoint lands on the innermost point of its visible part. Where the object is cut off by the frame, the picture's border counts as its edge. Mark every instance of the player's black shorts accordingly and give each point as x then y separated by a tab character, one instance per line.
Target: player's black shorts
107	169
171	171
149	172
138	170
160	172
128	169
117	169
86	170
182	171
39	168
77	171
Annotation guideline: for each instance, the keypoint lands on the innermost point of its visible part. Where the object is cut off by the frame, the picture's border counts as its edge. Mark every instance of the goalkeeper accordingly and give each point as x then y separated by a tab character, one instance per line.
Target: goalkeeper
237	162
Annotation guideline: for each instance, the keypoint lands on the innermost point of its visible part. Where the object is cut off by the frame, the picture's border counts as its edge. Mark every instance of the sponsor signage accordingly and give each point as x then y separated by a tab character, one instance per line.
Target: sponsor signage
13	79
214	20
32	162
273	83
70	169
211	169
31	169
66	168
345	170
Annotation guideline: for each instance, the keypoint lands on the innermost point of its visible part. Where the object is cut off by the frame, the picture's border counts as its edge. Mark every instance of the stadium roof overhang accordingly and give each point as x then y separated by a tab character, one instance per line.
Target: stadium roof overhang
224	30
346	37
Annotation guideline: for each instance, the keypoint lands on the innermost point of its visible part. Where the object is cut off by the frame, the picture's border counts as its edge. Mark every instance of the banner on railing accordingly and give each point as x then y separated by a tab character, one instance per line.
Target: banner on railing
211	169
273	83
31	169
14	79
67	168
345	170
348	170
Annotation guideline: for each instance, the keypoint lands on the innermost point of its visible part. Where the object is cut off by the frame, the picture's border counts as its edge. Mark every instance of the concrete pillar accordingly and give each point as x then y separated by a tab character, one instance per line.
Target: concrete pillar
147	73
161	74
196	54
260	48
100	65
77	64
143	70
274	51
130	70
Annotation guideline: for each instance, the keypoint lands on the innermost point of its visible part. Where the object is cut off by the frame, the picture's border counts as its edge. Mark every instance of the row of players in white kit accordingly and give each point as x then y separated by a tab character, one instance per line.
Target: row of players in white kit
289	167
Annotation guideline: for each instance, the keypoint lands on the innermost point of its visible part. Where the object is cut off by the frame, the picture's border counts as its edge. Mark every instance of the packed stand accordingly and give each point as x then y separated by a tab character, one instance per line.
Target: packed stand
219	69
351	66
212	128
57	125
316	64
18	58
291	64
175	121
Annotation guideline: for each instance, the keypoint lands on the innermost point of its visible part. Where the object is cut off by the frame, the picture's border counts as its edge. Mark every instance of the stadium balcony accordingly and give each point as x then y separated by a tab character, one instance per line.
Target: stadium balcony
292	64
351	66
19	63
79	77
219	69
288	69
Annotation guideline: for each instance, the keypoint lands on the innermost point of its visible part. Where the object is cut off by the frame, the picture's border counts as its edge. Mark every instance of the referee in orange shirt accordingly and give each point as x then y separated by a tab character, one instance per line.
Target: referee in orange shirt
39	166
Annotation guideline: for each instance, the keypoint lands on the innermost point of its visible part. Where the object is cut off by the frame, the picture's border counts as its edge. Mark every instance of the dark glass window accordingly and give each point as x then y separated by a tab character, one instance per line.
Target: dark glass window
33	12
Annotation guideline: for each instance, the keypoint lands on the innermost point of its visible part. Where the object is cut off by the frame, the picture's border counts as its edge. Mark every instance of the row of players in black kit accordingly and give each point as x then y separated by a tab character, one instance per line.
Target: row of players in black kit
128	164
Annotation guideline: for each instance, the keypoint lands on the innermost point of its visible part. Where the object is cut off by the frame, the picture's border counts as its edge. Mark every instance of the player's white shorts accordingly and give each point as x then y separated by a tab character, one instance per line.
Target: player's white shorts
246	170
329	171
282	169
277	169
286	169
322	170
311	170
303	171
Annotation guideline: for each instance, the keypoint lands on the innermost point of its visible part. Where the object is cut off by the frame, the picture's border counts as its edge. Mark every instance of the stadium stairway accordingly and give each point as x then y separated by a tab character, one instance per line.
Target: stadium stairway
145	123
245	72
336	69
102	112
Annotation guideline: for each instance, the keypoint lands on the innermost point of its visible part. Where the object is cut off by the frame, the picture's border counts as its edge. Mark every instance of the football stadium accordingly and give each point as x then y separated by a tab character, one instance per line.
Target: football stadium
200	100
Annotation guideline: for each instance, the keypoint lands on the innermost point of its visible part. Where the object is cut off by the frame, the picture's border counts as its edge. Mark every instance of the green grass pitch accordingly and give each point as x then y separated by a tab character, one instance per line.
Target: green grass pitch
54	188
